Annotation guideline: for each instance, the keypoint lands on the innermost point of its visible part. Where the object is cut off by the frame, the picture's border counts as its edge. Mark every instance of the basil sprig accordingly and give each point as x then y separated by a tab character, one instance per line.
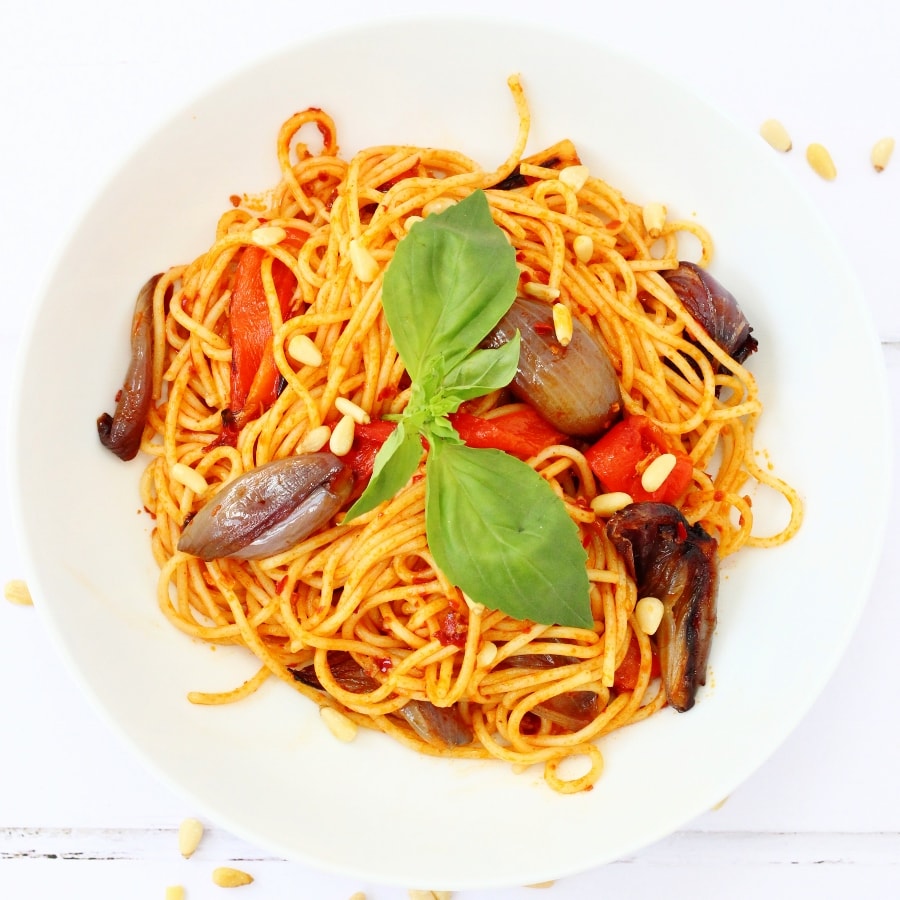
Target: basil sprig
494	526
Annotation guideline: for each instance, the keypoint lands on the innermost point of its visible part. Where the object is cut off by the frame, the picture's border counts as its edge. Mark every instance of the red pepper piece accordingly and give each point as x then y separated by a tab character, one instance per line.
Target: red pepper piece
627	674
620	457
521	433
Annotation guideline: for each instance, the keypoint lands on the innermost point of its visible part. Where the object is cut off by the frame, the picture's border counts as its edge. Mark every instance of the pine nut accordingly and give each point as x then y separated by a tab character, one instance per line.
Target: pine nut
301	349
562	323
225	876
175	892
881	153
365	266
410	221
487	654
574	177
583	245
775	135
654	216
16	591
359	895
648	613
268	235
341	439
349	408
189	834
541	884
438	205
657	472
315	440
190	478
820	160
541	291
607	504
338	724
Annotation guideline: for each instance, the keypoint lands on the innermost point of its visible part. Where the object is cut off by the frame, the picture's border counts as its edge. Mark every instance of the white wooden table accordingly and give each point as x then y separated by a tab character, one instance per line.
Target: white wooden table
81	84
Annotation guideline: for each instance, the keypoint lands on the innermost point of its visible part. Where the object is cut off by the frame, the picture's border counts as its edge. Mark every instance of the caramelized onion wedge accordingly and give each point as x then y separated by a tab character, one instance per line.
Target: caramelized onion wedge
122	431
269	509
715	309
678	563
575	387
434	724
437	724
572	710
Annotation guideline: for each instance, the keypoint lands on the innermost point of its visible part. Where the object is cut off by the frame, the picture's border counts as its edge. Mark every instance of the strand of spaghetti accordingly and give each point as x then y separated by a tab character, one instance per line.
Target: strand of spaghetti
219	698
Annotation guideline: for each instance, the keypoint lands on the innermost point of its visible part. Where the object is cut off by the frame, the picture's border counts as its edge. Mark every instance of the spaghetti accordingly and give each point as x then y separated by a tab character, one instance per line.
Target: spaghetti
369	591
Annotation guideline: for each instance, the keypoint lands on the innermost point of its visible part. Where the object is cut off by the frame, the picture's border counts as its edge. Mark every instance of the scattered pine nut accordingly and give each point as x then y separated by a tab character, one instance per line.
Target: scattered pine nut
343	728
341	439
175	892
359	895
190	478
315	440
562	323
430	895
225	876
583	246
541	291
607	504
821	162
541	884
365	266
189	834
648	612
268	235
410	221
16	591
487	654
349	408
438	205
657	472
303	350
775	135
881	153
574	177
654	216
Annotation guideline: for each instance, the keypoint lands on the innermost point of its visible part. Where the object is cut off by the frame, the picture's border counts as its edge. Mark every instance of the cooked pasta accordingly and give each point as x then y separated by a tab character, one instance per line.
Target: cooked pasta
367	594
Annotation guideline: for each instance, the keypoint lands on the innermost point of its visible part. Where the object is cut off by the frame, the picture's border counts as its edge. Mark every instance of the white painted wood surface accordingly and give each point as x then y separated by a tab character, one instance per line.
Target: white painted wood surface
81	84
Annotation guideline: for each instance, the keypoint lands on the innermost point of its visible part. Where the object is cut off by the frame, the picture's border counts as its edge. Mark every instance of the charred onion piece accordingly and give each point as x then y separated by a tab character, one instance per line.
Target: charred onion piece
434	724
573	387
437	724
714	308
122	431
269	509
572	710
678	563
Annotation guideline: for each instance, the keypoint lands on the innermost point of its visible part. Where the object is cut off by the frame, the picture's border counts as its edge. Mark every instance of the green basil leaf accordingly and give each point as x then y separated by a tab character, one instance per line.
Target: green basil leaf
395	464
450	281
483	371
499	533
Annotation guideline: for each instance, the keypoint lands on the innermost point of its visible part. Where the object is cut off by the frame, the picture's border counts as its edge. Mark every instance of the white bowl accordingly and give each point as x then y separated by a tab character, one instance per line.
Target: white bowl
264	768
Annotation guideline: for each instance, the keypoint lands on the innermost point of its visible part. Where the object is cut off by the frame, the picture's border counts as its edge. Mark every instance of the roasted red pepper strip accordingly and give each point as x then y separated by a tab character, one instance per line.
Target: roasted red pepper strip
254	376
620	457
627	674
521	433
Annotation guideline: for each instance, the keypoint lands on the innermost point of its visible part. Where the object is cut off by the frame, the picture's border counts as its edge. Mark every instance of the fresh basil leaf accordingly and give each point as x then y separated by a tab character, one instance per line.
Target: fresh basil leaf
498	531
450	281
395	464
483	371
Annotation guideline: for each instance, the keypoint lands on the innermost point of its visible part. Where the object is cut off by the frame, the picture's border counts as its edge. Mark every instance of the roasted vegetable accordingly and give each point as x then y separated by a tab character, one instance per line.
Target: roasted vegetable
122	431
269	509
678	563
